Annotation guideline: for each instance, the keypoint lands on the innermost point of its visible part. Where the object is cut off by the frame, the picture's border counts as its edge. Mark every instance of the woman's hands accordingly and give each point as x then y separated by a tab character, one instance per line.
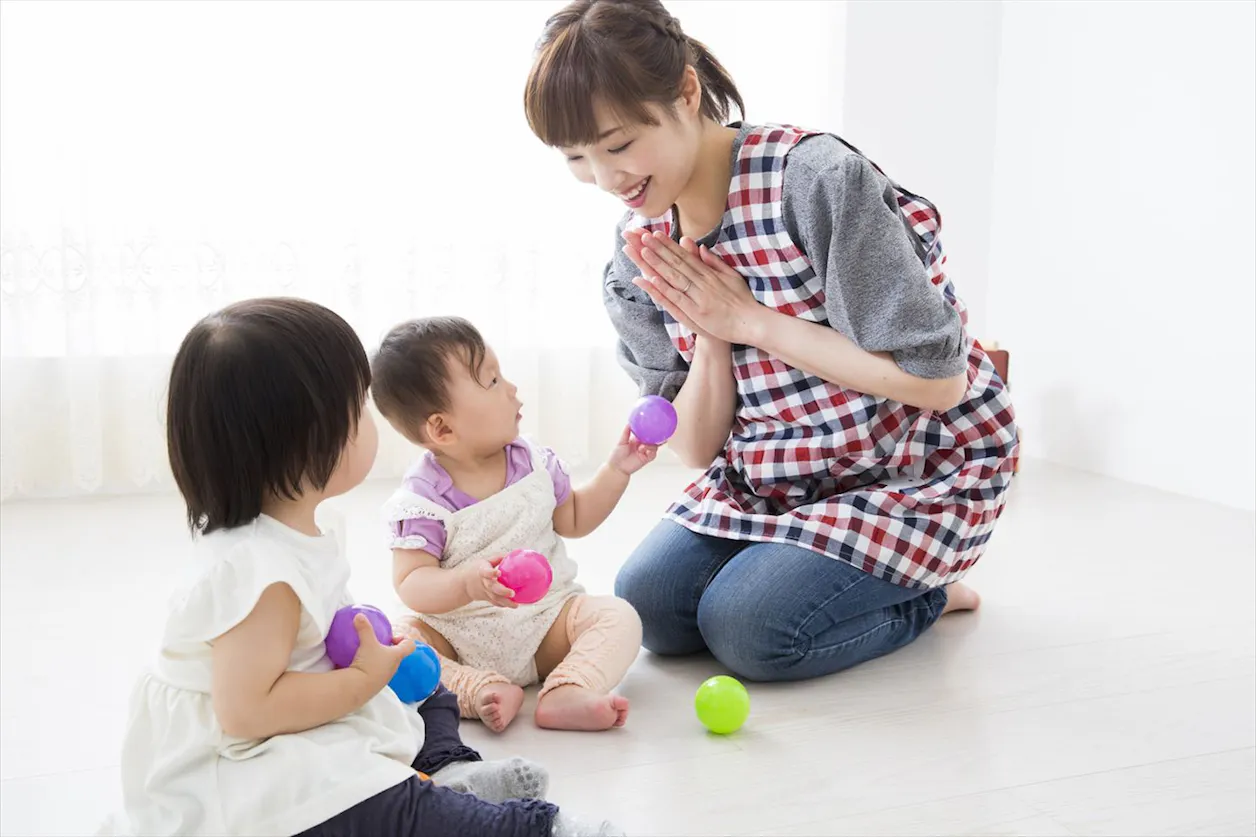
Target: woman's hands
712	299
695	286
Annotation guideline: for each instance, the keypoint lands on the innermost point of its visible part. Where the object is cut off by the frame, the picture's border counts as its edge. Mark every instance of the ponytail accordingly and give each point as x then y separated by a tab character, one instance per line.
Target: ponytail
719	92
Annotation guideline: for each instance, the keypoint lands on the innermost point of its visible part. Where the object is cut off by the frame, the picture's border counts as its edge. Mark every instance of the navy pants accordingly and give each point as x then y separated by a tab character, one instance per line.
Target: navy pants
417	807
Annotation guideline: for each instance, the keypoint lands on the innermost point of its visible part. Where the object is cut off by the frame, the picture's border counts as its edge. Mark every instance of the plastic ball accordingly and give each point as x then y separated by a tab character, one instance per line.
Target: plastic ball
417	676
528	573
722	704
342	639
652	420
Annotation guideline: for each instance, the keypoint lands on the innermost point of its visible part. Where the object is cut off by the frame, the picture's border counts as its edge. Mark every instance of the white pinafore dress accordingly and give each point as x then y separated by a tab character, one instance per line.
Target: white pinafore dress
520	516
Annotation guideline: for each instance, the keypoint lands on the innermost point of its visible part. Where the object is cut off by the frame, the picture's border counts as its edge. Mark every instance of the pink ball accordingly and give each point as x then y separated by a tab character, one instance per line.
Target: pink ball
528	573
342	639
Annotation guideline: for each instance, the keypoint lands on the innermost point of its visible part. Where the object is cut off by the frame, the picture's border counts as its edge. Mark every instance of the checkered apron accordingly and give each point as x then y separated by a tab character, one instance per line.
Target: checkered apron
908	495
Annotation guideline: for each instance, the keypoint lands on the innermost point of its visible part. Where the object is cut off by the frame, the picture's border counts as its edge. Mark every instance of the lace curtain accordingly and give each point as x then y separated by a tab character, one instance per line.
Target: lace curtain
159	160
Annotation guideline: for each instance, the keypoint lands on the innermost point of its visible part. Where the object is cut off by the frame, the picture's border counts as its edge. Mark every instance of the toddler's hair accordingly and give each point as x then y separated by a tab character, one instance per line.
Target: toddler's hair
264	396
411	369
625	54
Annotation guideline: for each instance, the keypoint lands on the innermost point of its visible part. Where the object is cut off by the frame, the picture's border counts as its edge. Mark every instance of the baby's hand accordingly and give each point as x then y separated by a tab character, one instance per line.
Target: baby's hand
631	454
378	662
483	584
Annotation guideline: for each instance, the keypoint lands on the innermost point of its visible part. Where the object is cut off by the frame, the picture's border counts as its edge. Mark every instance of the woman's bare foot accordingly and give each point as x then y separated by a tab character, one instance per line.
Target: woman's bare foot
960	597
575	707
497	704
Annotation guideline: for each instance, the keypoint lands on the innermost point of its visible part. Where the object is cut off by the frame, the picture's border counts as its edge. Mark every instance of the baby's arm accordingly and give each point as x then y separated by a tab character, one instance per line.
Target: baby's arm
427	587
255	696
589	505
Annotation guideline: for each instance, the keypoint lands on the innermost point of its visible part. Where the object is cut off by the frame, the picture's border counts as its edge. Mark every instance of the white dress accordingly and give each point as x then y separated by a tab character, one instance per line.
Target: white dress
520	516
181	774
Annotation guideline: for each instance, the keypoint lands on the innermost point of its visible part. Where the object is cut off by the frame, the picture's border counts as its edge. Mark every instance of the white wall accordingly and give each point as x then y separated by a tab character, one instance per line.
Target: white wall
1123	239
920	80
793	73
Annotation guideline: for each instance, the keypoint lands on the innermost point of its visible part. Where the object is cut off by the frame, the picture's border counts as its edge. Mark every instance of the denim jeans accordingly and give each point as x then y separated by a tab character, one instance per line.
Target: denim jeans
767	611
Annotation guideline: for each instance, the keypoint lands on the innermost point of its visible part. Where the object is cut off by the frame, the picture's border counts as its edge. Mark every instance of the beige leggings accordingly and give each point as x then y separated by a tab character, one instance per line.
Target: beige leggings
600	635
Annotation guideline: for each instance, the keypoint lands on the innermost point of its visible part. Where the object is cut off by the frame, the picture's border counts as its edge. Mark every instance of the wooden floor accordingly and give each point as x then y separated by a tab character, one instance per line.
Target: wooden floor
1107	687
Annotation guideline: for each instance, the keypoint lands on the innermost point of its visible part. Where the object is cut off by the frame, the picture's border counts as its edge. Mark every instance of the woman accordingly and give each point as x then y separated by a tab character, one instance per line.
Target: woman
790	300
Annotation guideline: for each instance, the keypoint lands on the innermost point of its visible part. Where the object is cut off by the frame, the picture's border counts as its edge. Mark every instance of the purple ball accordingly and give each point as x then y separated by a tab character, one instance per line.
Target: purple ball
653	420
342	639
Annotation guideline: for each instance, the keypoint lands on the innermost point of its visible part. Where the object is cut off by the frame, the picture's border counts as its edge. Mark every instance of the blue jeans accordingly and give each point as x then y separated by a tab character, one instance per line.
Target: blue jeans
767	611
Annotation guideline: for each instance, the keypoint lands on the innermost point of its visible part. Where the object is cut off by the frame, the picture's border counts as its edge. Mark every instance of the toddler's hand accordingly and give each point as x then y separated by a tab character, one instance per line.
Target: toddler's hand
378	662
631	454
483	584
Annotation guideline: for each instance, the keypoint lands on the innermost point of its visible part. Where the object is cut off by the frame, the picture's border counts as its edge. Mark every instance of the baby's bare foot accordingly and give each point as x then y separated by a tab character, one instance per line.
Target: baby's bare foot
961	597
577	708
497	704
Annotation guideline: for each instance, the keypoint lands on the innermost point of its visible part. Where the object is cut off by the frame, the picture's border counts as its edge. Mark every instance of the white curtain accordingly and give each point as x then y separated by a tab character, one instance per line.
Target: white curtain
159	160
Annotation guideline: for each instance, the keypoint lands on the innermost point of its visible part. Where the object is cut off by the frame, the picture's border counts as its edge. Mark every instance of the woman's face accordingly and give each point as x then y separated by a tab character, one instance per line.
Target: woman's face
647	167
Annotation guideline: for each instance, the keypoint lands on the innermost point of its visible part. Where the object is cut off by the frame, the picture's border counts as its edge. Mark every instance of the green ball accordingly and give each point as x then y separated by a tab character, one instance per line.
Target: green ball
722	705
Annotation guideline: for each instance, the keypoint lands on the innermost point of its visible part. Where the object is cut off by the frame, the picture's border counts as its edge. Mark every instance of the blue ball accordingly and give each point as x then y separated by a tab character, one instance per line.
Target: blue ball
417	676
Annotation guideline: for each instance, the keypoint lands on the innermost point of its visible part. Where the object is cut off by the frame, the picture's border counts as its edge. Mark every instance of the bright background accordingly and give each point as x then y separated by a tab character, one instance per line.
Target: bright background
1093	162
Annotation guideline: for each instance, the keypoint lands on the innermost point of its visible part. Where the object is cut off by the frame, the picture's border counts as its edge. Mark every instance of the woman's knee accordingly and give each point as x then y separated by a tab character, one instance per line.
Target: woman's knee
751	646
650	579
662	587
772	641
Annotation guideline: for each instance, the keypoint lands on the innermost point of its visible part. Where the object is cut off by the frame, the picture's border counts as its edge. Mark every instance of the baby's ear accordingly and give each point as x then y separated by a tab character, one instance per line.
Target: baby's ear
438	430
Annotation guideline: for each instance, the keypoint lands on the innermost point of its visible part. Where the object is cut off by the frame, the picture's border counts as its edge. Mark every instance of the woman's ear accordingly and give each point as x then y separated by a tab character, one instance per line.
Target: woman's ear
691	91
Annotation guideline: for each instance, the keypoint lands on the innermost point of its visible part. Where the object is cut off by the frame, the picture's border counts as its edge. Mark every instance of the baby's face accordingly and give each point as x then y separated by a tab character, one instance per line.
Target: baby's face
357	459
485	410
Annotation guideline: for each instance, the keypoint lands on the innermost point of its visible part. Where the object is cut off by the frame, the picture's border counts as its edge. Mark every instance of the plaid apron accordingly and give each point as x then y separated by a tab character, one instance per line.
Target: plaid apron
908	495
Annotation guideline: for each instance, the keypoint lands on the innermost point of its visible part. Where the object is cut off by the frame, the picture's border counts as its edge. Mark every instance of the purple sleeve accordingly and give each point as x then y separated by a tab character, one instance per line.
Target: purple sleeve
558	473
420	533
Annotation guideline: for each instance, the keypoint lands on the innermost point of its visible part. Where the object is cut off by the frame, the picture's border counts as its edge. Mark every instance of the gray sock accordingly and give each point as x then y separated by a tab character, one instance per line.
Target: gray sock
566	825
495	781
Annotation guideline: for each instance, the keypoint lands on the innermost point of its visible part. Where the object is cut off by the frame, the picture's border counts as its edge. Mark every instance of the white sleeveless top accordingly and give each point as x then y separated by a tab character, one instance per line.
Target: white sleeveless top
520	516
181	774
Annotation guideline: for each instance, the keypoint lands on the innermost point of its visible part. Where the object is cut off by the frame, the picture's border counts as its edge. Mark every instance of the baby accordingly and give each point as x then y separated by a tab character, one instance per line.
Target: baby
479	492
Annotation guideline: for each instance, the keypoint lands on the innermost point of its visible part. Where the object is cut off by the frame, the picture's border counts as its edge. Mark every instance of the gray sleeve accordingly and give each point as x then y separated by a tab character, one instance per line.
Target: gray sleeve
645	350
843	214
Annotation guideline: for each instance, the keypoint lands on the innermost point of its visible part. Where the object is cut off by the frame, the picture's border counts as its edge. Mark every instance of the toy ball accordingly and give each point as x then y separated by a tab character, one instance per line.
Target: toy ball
722	704
528	573
653	420
417	676
342	639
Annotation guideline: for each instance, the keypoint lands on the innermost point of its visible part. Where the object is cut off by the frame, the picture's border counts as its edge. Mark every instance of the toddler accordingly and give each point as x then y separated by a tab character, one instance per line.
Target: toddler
479	492
244	727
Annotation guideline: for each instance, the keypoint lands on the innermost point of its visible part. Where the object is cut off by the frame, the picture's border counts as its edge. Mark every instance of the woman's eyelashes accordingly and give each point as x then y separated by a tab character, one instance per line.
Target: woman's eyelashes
576	158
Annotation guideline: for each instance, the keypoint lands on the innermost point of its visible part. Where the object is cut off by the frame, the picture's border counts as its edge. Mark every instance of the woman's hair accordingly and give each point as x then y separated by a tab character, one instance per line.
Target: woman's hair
411	369
264	396
626	54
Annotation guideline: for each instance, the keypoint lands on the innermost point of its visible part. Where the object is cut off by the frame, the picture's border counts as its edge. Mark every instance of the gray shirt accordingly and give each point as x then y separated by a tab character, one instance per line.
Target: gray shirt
843	215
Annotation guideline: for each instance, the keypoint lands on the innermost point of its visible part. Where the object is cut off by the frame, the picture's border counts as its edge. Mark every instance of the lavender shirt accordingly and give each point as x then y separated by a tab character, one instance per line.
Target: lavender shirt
432	482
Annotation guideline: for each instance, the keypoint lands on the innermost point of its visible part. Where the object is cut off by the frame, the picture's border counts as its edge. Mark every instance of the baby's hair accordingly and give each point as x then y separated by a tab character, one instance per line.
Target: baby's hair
411	369
264	396
626	54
